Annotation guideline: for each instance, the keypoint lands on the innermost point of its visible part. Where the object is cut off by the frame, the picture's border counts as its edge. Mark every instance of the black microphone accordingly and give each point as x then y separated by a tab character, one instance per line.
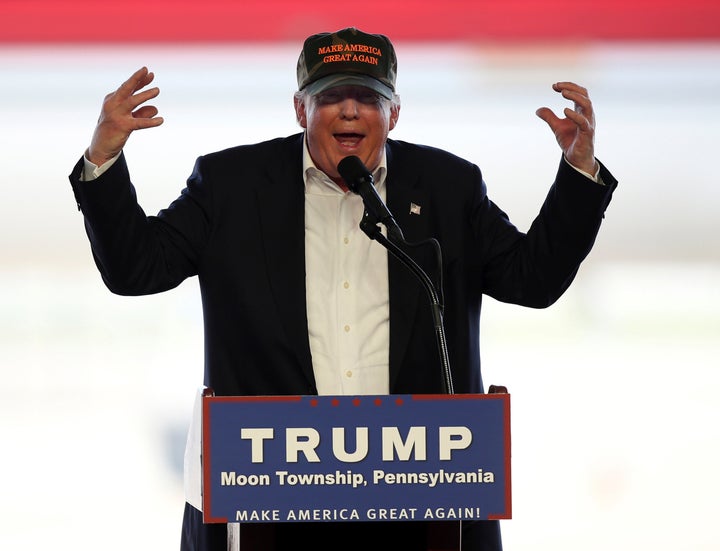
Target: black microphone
359	180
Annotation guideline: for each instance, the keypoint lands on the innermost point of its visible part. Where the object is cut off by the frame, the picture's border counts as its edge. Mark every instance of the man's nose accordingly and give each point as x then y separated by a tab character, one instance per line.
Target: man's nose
349	108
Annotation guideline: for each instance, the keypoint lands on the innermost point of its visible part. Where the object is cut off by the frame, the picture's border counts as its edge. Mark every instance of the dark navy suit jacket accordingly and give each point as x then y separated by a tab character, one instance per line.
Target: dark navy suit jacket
239	227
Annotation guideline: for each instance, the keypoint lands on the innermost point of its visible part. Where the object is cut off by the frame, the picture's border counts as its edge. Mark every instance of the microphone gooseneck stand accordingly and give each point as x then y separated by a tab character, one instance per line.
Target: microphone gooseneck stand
369	225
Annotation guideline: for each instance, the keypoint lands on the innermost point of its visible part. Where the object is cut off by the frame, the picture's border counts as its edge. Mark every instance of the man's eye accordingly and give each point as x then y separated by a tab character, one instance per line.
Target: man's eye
329	97
368	98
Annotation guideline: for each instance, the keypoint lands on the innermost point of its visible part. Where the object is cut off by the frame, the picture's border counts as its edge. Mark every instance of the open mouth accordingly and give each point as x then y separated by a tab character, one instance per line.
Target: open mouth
349	139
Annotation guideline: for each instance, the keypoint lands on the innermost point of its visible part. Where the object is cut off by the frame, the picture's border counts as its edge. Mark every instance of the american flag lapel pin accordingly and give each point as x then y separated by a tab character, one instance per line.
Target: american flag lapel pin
414	209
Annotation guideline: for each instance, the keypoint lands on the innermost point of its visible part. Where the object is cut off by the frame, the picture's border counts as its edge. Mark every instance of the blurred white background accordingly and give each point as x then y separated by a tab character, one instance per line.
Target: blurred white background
615	412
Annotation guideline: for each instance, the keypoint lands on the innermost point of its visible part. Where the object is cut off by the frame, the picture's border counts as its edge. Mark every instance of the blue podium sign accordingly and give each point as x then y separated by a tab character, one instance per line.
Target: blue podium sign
362	458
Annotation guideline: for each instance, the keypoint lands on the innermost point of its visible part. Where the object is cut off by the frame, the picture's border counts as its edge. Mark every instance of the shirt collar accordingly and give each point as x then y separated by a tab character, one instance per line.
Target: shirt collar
313	176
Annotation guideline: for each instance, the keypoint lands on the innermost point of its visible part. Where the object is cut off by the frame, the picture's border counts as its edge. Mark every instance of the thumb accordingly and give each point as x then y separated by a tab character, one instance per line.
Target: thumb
548	116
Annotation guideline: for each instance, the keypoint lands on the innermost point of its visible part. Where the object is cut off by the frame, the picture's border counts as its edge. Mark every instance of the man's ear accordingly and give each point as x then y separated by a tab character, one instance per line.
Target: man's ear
300	114
394	115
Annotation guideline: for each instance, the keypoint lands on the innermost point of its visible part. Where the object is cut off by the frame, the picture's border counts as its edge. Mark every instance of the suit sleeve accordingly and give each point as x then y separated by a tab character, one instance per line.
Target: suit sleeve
535	268
138	254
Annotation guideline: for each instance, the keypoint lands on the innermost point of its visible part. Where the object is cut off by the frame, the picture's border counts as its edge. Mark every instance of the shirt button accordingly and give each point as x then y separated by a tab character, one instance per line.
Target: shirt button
348	374
346	240
346	285
347	328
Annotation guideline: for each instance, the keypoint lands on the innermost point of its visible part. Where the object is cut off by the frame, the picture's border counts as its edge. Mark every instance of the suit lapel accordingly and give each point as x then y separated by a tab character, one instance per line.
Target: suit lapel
282	206
406	292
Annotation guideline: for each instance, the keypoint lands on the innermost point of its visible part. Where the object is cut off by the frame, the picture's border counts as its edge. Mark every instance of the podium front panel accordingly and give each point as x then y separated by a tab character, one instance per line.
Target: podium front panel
356	458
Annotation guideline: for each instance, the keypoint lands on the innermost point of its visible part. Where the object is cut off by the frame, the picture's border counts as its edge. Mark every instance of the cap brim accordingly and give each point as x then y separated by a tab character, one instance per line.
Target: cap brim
348	79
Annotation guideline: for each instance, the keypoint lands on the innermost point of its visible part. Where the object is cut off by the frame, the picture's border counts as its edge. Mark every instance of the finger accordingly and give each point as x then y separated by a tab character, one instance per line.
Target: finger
577	94
138	80
582	122
147	122
547	115
148	78
142	97
137	77
145	112
146	117
569	86
582	102
570	89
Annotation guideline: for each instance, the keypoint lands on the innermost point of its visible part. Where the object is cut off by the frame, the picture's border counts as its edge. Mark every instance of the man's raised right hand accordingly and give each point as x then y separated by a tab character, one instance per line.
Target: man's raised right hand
122	113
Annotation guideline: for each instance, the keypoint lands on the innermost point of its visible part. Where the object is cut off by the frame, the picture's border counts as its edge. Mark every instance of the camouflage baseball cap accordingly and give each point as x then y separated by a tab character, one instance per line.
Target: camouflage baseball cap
347	57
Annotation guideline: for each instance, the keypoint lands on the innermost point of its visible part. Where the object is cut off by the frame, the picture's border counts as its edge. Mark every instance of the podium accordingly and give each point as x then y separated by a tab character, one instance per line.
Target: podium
428	462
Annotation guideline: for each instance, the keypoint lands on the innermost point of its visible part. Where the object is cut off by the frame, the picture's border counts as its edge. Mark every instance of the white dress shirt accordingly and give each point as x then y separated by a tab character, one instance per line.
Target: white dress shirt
347	289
